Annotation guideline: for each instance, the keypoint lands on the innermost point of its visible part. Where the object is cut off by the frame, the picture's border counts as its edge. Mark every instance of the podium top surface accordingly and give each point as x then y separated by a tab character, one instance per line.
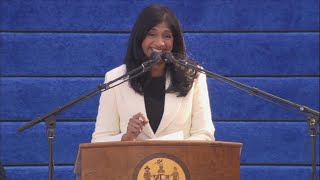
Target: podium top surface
161	143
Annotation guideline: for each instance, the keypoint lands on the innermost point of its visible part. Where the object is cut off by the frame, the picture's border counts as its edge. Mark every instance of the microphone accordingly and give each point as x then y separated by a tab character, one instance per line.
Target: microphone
155	57
168	57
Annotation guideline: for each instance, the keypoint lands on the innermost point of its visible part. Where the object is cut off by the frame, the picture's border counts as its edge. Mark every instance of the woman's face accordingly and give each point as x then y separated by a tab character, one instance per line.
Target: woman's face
159	39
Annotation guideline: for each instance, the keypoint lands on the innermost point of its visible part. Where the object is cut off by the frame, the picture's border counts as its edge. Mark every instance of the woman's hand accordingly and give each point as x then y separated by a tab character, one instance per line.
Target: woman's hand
135	126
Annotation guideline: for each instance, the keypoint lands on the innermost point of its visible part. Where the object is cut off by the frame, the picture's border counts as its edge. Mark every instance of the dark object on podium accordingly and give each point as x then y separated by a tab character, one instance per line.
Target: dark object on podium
159	160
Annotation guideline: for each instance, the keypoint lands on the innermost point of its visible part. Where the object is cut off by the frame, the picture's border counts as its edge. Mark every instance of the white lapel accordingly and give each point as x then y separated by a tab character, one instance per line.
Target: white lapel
140	105
171	106
135	103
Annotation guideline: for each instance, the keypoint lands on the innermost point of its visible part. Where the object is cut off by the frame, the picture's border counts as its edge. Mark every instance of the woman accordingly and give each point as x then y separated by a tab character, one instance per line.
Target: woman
169	99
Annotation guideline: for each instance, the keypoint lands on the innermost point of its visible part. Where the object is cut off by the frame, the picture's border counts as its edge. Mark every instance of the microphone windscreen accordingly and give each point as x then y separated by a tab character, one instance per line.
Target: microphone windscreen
155	56
168	57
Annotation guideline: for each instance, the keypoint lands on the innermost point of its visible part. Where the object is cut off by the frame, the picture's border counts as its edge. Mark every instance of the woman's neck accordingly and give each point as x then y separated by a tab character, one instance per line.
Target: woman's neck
158	69
157	74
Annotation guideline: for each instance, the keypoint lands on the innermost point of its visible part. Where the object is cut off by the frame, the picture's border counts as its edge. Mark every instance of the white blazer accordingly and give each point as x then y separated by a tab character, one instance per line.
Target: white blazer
190	114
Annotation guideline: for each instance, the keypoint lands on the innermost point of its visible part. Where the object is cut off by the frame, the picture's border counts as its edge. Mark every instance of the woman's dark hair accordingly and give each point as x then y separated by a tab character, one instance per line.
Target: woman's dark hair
181	78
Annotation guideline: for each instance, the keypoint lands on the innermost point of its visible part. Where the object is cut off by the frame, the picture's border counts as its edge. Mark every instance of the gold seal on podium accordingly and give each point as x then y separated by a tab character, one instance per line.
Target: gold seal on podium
161	166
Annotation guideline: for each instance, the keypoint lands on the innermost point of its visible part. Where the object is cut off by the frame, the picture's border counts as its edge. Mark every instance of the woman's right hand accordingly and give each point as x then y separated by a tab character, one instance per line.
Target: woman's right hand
135	126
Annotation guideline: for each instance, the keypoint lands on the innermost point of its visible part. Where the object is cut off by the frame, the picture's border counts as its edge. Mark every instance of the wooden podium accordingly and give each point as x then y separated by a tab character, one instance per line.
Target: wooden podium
159	160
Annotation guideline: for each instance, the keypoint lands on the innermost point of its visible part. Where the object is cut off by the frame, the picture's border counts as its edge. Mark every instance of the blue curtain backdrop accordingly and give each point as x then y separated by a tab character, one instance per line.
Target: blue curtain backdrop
54	51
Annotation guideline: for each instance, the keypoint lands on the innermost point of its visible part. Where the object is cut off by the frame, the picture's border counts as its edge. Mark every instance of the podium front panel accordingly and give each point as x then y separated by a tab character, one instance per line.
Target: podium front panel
196	160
